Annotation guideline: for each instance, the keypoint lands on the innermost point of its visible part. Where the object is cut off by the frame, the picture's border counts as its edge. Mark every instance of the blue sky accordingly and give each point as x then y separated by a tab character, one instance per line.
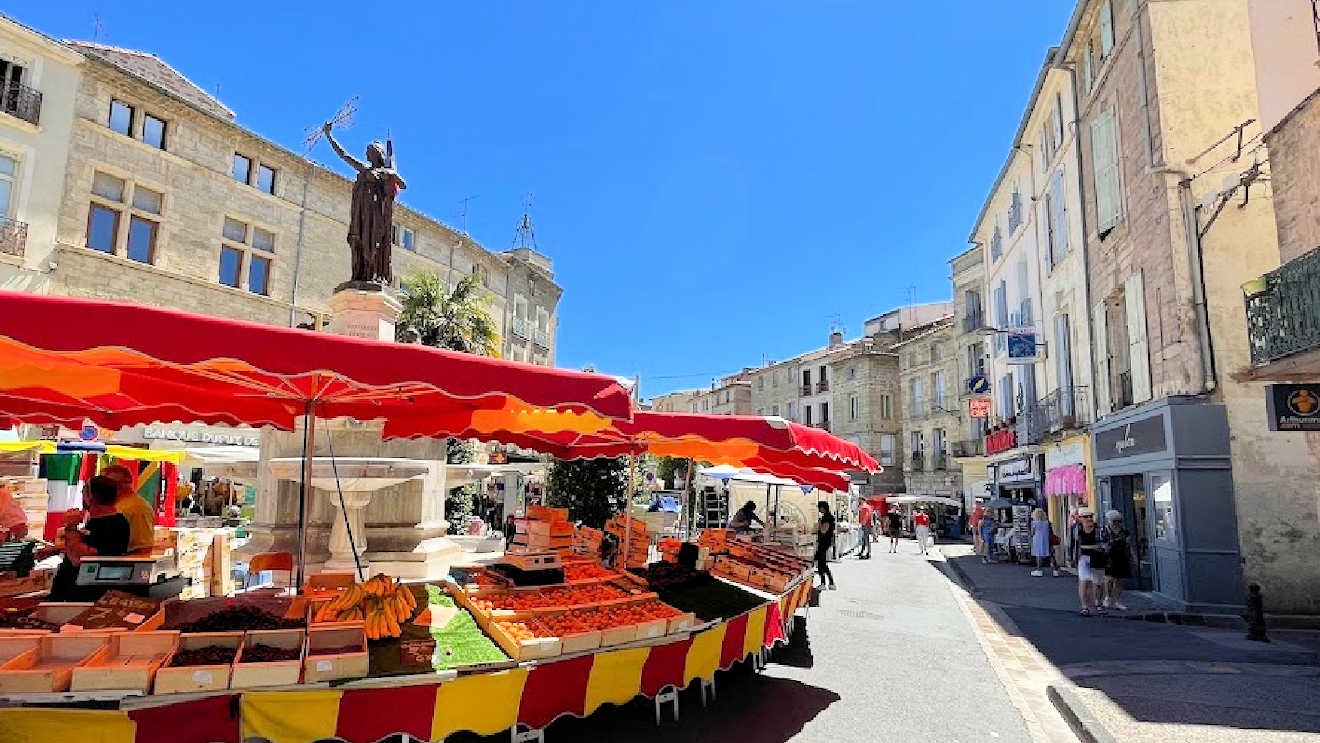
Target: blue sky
717	182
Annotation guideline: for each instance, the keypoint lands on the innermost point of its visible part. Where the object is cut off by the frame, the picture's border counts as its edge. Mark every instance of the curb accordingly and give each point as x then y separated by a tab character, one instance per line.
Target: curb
1077	715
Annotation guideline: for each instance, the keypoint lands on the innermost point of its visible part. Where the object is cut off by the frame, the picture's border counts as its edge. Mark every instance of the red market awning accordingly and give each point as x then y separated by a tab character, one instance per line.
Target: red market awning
765	444
63	360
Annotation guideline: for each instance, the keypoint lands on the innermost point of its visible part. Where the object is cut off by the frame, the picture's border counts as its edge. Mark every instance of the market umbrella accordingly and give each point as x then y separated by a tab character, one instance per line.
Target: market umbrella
63	360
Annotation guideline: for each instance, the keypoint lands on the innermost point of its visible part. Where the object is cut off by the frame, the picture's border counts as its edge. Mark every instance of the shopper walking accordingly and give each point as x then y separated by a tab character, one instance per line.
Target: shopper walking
978	511
1090	554
989	525
824	540
895	529
1120	559
1041	548
865	517
921	526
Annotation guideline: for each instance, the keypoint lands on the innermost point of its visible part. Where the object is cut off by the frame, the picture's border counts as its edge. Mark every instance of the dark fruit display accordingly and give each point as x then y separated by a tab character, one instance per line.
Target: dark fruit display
268	654
342	650
211	655
711	599
238	619
668	576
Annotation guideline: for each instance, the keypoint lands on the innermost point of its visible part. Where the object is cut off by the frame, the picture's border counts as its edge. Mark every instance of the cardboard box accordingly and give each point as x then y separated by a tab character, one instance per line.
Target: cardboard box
349	663
273	673
174	679
129	662
545	513
48	667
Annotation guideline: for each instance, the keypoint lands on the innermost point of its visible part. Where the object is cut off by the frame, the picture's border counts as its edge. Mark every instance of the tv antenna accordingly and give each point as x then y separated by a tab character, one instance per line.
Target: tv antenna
97	27
525	235
343	118
463	212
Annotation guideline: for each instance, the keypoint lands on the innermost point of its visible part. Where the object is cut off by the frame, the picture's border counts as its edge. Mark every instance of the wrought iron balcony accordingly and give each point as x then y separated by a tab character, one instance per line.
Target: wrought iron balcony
973	320
1283	318
918	461
541	337
944	404
13	237
522	328
1030	427
1063	409
969	448
824	425
806	389
1122	392
20	101
823	385
940	461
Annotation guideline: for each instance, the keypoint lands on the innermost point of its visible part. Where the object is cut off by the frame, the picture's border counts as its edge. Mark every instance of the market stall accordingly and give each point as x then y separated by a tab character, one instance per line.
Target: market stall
365	658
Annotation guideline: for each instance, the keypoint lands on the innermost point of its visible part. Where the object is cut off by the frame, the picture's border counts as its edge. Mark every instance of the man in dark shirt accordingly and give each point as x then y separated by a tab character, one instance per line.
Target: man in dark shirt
106	533
895	529
825	540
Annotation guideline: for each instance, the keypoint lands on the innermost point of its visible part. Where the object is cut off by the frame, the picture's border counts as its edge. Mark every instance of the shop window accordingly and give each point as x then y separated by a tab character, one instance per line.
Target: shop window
1161	489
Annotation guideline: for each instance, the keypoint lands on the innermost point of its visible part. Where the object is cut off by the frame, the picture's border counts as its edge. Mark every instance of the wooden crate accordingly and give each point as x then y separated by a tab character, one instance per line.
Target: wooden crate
48	667
12	645
581	641
334	666
37	580
618	635
330	580
545	513
652	629
681	622
57	613
520	650
273	673
174	679
129	662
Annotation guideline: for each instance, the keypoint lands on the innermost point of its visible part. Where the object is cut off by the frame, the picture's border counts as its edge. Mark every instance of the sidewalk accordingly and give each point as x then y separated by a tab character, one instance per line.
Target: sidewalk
1147	678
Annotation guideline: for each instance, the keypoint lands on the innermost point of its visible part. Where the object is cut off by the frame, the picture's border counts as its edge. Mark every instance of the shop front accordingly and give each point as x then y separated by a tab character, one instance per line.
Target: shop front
1018	489
1067	484
1165	466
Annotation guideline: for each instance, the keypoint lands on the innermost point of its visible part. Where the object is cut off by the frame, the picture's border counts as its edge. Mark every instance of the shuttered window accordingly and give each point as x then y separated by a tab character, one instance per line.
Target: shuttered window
1100	339
1057	217
1135	296
1104	163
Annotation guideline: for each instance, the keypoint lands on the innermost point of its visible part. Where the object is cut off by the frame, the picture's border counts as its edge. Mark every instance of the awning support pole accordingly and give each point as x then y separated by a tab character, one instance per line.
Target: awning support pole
627	508
304	492
689	518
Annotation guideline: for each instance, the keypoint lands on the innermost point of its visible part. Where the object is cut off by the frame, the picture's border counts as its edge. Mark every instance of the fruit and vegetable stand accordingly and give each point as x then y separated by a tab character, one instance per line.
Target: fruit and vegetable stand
427	706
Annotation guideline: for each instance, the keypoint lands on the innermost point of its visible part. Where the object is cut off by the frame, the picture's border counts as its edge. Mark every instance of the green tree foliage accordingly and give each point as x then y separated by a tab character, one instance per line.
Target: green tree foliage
672	471
457	319
588	488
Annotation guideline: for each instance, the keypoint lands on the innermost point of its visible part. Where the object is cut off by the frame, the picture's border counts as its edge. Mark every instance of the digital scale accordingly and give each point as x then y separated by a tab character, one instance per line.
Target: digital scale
154	576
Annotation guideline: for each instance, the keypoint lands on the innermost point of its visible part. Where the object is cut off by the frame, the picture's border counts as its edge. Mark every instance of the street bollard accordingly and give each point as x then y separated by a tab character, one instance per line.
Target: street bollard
1255	614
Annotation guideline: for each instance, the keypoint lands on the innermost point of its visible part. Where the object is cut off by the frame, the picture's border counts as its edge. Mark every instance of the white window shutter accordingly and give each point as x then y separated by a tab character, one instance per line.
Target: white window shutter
1058	218
1087	69
1104	162
1134	292
1106	29
1100	342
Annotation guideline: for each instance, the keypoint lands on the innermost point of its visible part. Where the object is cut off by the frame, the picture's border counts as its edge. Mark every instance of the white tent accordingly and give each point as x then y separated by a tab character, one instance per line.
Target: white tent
941	499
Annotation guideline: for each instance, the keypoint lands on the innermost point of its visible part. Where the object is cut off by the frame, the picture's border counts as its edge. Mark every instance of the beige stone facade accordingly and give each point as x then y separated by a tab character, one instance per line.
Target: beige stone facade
213	218
969	344
675	402
929	370
731	395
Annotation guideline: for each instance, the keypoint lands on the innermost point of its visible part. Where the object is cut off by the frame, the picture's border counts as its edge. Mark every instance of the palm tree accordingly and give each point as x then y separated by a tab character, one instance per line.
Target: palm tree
457	319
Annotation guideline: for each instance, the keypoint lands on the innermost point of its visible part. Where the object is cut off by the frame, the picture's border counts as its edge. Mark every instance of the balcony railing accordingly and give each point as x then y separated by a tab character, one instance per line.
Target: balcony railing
1063	409
1030	427
943	404
806	389
940	461
1284	319
522	328
918	461
1122	395
13	237
20	101
823	385
969	448
823	425
999	440
541	337
973	320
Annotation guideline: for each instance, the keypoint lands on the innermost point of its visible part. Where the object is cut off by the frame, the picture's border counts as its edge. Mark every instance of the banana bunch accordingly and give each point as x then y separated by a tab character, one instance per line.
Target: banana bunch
382	603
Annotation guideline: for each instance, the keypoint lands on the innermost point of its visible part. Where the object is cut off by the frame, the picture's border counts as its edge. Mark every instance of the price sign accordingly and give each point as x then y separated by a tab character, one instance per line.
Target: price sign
978	407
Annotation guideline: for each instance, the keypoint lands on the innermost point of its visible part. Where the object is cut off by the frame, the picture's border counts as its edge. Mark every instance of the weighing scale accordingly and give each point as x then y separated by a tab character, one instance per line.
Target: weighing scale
154	576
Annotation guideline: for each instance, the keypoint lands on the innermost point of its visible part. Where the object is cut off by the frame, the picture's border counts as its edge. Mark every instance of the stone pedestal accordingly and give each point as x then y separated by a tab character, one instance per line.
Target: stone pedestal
341	547
364	313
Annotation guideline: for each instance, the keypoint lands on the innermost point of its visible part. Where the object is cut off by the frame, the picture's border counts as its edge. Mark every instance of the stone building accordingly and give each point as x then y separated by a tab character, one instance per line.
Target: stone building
731	395
967	447
928	372
679	401
1174	222
164	198
867	402
38	85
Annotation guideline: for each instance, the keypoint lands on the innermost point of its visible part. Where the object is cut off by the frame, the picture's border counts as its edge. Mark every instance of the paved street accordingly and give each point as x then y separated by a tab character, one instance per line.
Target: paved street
889	656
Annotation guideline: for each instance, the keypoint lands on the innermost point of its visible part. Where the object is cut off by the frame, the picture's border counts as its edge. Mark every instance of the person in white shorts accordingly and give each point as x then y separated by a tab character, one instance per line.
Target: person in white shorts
1089	553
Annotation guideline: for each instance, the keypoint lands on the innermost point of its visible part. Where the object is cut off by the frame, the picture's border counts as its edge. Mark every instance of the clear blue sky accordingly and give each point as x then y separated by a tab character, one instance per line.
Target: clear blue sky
715	181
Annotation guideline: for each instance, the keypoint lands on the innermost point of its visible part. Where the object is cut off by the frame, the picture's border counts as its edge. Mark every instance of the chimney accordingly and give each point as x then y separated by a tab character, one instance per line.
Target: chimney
836	338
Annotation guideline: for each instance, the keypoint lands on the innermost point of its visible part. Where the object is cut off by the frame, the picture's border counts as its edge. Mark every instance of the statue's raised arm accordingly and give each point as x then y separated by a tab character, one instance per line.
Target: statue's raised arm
357	164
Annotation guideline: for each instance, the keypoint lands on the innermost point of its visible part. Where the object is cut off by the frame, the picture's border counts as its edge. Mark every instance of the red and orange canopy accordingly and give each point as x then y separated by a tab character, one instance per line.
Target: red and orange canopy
63	360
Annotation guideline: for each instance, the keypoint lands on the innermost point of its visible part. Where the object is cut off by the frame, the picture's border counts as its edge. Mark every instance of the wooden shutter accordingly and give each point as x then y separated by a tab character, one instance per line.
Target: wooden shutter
1104	163
1100	341
1058	219
1134	292
1106	29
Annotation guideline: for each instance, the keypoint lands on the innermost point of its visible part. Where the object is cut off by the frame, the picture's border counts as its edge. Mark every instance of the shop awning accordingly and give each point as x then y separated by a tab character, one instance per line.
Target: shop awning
1069	479
63	360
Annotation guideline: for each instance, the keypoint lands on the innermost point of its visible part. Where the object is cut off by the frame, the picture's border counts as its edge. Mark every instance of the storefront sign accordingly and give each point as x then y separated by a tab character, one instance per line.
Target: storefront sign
1060	455
1022	347
1145	436
1021	469
201	436
978	385
978	407
1293	407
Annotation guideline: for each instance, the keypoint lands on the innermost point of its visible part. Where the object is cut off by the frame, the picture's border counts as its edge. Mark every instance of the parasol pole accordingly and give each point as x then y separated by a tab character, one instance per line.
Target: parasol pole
765	523
309	434
627	508
688	496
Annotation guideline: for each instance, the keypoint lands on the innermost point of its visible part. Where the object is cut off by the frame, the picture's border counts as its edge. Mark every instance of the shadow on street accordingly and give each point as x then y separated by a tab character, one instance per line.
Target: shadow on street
797	653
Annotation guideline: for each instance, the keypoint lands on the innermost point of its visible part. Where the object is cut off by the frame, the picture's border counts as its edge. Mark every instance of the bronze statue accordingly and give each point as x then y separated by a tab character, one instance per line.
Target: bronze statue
370	226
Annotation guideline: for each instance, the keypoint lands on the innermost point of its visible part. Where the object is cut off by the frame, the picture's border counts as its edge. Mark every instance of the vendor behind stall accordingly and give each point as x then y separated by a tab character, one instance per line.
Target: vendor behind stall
743	518
141	518
106	533
13	521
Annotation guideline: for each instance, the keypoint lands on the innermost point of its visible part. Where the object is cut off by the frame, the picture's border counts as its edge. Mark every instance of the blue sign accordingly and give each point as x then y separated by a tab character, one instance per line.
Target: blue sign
89	432
1021	346
978	385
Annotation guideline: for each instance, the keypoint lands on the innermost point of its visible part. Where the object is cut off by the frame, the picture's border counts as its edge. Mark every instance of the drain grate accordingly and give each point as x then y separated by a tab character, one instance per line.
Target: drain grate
859	614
